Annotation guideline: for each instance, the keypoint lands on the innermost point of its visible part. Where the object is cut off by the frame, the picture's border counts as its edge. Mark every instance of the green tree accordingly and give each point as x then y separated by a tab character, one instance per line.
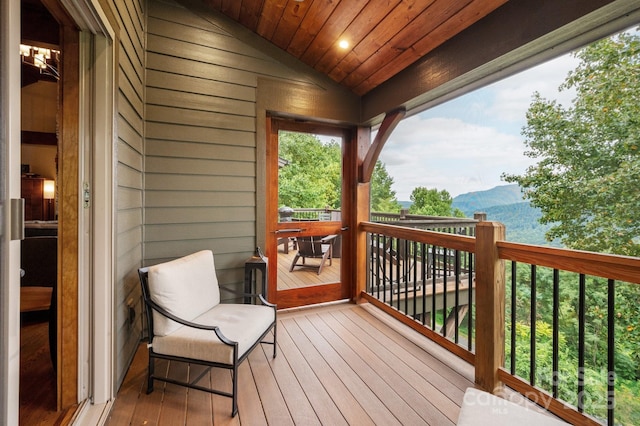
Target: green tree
383	198
312	177
586	178
431	202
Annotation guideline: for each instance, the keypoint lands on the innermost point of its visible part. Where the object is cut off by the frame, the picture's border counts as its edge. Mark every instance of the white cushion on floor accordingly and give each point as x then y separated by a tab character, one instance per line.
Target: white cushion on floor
186	287
241	323
482	408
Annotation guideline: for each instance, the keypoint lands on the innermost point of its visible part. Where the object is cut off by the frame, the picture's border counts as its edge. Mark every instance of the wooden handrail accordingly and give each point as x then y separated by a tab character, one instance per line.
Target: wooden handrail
621	268
452	241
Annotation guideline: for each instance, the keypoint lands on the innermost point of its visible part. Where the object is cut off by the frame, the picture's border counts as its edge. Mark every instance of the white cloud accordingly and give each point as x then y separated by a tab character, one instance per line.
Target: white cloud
465	145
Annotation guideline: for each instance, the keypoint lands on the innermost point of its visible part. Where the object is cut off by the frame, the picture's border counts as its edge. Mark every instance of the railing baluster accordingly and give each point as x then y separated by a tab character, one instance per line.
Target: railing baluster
611	351
581	324
556	329
457	295
425	268
513	316
445	265
534	314
433	289
415	277
471	305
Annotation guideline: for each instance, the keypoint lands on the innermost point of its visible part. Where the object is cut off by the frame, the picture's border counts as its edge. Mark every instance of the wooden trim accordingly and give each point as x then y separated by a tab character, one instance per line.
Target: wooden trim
362	207
456	242
391	120
38	138
490	306
622	268
68	176
543	399
439	339
305	296
326	292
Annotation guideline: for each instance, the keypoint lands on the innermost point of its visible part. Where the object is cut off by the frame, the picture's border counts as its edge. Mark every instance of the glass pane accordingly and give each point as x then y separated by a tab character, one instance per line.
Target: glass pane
309	191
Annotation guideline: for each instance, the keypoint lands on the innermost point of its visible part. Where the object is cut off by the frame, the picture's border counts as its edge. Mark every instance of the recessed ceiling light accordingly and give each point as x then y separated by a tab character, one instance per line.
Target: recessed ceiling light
344	44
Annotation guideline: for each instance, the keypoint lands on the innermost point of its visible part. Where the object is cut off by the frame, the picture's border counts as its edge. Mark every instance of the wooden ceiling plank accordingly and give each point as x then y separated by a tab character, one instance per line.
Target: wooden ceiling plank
231	8
460	21
327	38
271	13
393	23
370	17
319	12
402	16
401	45
293	15
250	11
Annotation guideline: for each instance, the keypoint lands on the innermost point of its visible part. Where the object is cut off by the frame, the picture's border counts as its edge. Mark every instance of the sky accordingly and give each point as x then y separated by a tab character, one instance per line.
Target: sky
465	144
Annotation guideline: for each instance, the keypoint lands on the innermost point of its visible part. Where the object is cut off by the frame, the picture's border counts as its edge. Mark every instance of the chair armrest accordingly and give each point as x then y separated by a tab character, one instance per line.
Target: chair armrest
251	295
186	323
328	239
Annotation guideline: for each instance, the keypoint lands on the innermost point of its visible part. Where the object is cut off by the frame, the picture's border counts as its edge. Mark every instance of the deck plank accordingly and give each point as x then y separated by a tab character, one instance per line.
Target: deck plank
337	364
348	403
427	401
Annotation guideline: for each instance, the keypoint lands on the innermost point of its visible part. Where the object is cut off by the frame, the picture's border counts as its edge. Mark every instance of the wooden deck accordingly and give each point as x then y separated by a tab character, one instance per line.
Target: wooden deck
304	277
336	364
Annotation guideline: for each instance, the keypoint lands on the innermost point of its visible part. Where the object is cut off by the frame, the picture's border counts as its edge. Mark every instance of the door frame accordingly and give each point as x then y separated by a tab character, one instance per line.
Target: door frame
319	293
88	370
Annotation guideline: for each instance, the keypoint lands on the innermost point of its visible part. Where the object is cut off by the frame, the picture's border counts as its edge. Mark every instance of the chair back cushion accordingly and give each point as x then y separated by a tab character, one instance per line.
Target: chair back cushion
186	287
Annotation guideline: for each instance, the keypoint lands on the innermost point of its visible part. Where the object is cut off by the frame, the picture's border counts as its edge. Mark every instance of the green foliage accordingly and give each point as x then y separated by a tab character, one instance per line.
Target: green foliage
431	202
313	177
521	222
383	198
627	338
586	178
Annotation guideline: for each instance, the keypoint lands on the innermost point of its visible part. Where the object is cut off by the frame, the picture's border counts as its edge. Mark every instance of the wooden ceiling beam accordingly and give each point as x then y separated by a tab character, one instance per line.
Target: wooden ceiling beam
387	127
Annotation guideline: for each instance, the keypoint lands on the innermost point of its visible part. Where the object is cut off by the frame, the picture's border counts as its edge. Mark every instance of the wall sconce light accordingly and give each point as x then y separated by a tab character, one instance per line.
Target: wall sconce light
49	193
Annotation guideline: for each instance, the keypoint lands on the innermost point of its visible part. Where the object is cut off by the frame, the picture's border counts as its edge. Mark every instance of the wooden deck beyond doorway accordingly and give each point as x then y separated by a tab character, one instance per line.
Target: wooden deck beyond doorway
305	277
336	364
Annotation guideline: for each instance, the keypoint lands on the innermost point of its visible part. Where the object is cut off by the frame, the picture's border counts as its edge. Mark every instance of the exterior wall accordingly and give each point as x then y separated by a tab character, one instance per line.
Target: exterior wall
129	179
202	187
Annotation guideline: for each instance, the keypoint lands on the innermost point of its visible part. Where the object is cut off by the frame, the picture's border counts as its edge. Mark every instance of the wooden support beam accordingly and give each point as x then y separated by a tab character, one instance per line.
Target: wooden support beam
490	306
389	123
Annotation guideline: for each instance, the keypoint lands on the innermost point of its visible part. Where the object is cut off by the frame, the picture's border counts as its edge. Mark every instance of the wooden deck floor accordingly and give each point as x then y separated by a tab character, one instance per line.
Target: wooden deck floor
336	364
304	277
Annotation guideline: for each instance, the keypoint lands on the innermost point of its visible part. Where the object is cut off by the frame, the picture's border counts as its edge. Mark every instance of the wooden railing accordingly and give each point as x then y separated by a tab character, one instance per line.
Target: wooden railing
453	289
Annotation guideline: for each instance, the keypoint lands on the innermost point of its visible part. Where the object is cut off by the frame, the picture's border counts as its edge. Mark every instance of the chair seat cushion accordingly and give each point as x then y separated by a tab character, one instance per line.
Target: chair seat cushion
240	323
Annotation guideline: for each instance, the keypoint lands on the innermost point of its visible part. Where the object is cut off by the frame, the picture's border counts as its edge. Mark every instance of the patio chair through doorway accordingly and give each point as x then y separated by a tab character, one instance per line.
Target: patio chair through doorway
315	248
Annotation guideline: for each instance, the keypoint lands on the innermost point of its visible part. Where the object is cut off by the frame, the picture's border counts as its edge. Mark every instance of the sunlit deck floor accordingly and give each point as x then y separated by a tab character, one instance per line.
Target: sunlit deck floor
304	277
336	364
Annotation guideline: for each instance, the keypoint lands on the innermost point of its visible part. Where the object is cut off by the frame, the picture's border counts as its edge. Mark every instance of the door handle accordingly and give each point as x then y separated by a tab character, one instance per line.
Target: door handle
344	228
17	218
285	231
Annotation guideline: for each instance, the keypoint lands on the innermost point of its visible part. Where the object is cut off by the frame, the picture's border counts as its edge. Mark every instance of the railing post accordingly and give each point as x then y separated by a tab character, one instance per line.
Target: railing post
490	306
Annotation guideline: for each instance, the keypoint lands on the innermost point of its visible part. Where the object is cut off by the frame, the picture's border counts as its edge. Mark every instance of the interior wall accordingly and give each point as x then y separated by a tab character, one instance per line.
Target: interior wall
40	158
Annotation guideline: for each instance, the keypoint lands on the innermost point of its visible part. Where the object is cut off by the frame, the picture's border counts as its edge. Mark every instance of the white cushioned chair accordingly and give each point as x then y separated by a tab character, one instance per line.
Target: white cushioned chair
188	323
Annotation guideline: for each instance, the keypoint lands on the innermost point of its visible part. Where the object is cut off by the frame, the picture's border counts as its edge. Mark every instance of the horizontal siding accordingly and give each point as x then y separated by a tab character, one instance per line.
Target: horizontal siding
200	86
168	199
176	132
129	178
200	139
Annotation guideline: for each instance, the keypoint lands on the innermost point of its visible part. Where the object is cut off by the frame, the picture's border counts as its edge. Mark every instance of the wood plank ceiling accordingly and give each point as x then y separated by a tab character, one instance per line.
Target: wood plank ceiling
384	36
